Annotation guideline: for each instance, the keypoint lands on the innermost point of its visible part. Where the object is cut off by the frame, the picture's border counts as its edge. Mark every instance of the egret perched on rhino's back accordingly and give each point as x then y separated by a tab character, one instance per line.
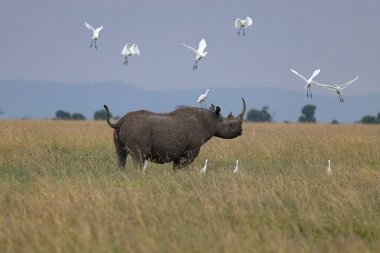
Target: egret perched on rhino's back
242	24
175	137
199	52
95	33
338	89
128	50
202	98
309	81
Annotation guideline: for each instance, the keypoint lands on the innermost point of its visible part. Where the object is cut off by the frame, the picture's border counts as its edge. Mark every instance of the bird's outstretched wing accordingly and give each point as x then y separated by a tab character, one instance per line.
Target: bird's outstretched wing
315	73
89	27
330	87
295	72
341	87
195	51
202	45
249	21
135	49
237	23
97	30
125	49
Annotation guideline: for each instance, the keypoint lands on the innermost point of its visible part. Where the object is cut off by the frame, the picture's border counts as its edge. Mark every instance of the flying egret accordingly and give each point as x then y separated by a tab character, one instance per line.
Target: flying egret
128	50
329	168
204	169
309	81
199	52
202	98
242	24
145	165
95	33
337	88
236	167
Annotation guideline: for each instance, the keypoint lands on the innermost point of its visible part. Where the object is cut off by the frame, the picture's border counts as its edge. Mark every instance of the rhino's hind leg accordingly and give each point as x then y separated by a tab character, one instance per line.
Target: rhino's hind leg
120	151
139	155
187	158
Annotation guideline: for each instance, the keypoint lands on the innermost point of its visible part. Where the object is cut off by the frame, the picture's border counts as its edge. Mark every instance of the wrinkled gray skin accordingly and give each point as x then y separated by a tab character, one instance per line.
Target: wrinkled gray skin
171	137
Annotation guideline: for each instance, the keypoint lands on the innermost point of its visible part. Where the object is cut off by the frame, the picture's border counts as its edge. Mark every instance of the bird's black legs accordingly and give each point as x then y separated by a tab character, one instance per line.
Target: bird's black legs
92	41
96	47
308	91
243	31
195	65
341	98
126	61
239	30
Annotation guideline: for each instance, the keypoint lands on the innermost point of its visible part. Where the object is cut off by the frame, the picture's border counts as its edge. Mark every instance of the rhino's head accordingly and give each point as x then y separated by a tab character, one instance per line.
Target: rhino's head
230	127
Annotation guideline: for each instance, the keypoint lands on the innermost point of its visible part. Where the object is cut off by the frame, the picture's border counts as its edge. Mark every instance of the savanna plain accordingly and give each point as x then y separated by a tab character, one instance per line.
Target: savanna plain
61	191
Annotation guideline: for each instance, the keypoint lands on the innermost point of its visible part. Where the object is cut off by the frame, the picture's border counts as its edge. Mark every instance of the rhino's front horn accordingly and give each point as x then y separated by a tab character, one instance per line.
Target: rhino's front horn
241	115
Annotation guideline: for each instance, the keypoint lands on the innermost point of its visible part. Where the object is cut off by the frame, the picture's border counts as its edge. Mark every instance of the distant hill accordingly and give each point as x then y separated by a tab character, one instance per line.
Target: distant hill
40	100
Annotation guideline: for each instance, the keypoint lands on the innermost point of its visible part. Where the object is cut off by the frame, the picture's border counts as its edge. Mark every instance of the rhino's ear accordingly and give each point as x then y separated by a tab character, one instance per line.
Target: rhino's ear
217	111
212	107
230	115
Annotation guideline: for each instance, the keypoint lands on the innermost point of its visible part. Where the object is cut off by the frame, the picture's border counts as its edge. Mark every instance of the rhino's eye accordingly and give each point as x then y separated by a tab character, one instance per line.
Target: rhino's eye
230	125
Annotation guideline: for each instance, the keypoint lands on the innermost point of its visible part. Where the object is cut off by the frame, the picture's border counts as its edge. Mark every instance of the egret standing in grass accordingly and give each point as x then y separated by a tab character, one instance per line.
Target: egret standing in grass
242	24
337	88
204	169
128	50
95	33
236	167
329	168
202	98
145	165
309	81
199	52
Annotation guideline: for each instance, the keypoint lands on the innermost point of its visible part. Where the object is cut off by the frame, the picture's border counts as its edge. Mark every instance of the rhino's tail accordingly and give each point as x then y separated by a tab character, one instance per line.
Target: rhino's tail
114	126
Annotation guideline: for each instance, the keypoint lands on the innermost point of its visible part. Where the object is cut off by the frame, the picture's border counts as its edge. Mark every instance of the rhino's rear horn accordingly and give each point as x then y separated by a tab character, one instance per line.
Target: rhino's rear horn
230	115
241	115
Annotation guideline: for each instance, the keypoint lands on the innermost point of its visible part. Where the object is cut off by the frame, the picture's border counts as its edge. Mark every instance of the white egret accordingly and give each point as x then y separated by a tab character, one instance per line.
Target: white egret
199	52
309	81
95	33
328	168
202	98
236	167
128	50
145	165
242	24
338	89
204	169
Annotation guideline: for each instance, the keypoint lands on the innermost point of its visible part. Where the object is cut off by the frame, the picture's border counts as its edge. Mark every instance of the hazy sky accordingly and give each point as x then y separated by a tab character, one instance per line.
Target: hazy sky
47	40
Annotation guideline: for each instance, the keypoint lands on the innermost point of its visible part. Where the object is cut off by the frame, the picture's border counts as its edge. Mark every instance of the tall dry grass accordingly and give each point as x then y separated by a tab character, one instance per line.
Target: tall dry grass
60	191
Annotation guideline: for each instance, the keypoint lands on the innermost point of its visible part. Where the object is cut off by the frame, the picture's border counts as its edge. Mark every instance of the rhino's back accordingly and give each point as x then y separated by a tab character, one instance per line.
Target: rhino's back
161	136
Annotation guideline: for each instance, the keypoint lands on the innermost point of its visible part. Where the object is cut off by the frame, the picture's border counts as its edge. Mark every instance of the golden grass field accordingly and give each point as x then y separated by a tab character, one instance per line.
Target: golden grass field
61	191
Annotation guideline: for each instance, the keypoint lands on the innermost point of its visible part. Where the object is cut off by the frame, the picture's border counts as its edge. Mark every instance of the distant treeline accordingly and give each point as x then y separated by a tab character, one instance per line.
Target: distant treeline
63	115
307	116
254	115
